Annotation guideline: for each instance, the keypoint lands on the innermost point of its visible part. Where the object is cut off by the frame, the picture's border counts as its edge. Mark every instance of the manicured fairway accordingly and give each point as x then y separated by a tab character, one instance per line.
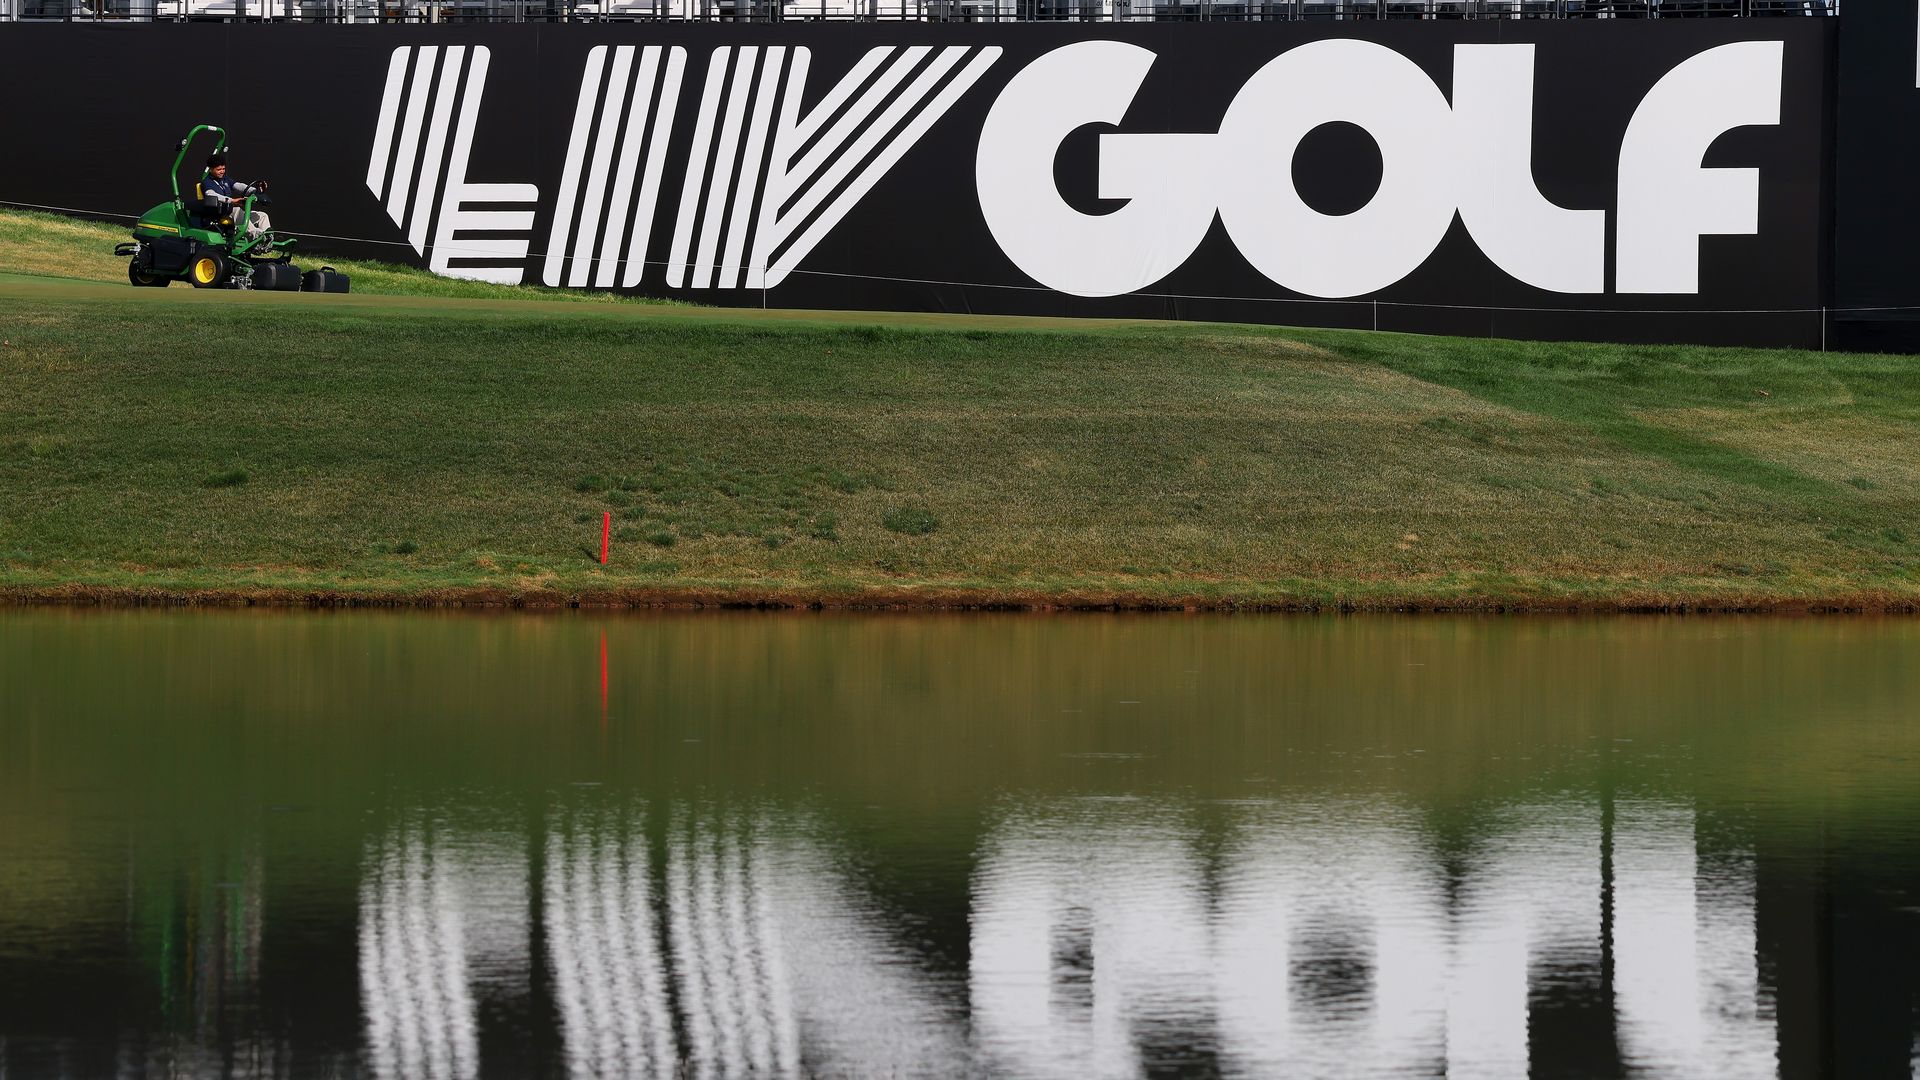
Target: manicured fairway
172	443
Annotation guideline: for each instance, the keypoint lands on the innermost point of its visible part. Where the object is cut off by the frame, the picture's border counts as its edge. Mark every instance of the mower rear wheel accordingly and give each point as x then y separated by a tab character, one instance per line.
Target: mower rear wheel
208	270
146	281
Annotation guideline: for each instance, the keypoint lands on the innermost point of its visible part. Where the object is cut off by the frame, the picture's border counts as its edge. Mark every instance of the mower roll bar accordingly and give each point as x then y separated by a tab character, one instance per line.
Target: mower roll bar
220	143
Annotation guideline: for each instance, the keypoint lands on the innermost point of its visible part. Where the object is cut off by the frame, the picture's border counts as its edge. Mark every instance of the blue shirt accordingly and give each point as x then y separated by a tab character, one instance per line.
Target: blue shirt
213	185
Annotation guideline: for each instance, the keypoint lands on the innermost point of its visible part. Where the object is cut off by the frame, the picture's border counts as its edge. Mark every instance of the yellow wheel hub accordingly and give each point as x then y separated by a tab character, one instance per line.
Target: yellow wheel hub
205	270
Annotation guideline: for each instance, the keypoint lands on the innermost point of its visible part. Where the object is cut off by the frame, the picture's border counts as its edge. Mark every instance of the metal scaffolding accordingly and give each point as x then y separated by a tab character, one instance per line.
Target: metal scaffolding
471	11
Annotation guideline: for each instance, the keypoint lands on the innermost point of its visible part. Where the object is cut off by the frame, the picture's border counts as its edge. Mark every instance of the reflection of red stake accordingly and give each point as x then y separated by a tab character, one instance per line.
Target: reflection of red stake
603	679
606	534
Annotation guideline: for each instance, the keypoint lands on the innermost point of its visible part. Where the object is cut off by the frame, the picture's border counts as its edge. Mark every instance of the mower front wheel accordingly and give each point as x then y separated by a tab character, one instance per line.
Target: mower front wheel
208	270
142	280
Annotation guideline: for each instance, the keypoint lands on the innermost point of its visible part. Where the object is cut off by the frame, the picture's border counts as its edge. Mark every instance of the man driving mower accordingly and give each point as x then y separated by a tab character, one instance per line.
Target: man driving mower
215	236
215	197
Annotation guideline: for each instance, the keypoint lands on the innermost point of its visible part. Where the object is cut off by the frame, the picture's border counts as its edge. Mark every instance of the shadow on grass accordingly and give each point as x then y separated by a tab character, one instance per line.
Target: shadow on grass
1591	389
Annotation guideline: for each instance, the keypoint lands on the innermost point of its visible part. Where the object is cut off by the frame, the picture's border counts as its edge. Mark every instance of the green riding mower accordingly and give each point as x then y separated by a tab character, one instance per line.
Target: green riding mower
209	244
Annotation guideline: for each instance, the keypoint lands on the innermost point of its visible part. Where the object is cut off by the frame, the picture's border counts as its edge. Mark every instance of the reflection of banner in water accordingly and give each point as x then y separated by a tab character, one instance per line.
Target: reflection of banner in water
1685	947
728	956
864	1003
1332	948
1527	924
1087	929
201	935
746	933
439	912
1109	938
610	979
1330	940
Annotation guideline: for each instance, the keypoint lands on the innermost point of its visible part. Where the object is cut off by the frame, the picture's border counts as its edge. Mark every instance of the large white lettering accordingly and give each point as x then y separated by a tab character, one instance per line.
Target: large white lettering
1371	87
1667	200
1544	245
1162	176
1472	156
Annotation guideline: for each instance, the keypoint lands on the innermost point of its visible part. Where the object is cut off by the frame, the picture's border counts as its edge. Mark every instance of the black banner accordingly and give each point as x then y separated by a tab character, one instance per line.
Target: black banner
1877	209
1614	180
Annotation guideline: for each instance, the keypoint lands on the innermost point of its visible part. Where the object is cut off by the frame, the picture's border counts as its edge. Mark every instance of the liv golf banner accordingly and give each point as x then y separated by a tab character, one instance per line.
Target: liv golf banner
1652	181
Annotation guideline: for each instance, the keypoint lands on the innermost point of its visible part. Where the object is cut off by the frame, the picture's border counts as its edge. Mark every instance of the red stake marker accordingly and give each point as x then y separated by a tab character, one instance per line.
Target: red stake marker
606	534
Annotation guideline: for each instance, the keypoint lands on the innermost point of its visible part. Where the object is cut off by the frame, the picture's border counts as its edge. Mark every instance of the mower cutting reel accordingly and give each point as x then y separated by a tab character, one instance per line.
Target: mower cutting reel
205	244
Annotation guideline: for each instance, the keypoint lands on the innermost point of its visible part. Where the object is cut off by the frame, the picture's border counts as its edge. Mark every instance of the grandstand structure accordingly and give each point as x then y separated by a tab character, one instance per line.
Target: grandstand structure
468	11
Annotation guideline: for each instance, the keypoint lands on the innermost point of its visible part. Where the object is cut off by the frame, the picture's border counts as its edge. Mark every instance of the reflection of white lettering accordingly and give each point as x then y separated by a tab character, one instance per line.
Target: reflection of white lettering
441	917
603	945
1331	956
1685	949
1316	938
1327	939
1529	909
1088	931
1473	155
725	956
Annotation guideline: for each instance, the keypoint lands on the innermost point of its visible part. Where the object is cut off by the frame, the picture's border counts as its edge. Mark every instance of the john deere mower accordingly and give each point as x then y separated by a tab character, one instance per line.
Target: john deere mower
207	243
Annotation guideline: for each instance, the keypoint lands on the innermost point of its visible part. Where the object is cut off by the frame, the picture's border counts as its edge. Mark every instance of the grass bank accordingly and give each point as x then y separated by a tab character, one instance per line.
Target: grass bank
51	245
179	445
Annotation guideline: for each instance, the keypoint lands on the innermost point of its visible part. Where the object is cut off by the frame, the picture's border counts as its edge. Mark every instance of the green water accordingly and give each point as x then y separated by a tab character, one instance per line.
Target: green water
426	845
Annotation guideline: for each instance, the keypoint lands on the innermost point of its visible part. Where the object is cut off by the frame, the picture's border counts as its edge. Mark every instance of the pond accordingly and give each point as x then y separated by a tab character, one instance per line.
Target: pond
425	845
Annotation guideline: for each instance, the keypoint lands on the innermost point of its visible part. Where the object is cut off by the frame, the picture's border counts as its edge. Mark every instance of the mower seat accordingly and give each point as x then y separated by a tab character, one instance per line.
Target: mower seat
206	211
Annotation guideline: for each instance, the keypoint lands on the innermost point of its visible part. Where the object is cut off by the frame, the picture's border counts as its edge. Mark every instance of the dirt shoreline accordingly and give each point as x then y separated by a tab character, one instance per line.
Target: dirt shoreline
484	598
